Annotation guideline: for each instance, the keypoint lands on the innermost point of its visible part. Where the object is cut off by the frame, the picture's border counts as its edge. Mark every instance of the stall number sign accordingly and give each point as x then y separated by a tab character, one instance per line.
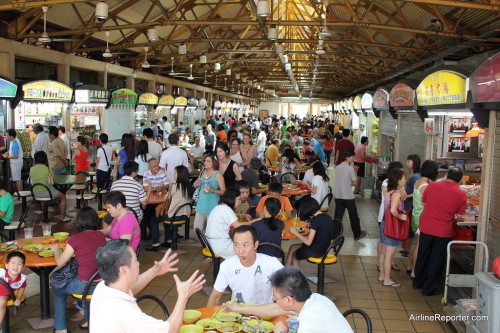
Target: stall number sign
429	126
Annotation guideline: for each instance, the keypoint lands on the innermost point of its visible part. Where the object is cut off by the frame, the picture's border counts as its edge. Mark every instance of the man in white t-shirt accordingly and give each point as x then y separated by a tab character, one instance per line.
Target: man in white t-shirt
167	129
247	273
261	142
173	157
103	160
154	148
291	296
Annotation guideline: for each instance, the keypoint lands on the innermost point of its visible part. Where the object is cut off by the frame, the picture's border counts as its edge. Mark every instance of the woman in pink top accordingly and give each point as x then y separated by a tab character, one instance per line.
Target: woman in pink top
124	224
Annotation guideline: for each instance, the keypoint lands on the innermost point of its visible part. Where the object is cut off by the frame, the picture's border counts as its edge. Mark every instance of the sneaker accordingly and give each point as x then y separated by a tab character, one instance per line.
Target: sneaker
361	235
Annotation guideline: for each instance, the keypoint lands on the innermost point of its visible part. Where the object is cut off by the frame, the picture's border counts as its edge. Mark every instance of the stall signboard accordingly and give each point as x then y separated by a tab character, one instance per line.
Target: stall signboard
345	105
148	99
202	103
47	91
7	89
223	105
167	100
123	96
193	102
442	88
367	101
381	99
89	94
402	95
181	101
356	103
485	81
350	104
217	104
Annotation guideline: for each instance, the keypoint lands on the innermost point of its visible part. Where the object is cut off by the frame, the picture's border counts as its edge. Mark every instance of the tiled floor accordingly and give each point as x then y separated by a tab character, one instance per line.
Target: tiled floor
355	274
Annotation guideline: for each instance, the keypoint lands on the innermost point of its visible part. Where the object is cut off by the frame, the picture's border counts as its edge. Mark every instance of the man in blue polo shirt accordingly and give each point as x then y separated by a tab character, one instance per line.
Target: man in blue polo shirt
318	148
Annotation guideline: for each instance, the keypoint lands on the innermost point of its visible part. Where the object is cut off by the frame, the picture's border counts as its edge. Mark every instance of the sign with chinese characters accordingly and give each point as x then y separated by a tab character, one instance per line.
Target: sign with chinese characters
181	101
193	102
47	91
217	104
356	103
429	126
148	99
402	95
91	94
367	101
441	88
202	103
381	99
167	100
123	96
7	89
485	81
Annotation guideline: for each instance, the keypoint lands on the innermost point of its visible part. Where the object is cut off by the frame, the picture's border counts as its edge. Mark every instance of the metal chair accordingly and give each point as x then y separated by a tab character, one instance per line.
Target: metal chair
208	252
44	202
288	177
326	259
155	299
10	304
85	296
275	246
329	196
23	195
363	314
15	226
175	224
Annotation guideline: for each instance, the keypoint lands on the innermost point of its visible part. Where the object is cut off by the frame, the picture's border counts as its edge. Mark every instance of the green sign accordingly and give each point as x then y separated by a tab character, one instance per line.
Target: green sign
123	96
7	89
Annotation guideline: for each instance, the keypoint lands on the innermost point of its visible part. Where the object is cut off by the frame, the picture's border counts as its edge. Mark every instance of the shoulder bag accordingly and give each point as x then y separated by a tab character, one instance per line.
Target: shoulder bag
394	227
61	277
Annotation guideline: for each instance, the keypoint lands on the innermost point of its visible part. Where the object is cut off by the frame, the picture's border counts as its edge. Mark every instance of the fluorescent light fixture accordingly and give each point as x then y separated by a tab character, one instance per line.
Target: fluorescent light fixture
263	9
451	113
101	11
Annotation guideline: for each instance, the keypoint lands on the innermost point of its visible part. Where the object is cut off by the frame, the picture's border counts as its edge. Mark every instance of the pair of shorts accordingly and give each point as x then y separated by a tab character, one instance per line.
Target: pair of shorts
306	252
15	170
55	194
387	240
260	153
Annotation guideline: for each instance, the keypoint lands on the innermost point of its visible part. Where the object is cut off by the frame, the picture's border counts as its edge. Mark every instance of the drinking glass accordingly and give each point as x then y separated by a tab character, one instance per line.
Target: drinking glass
47	231
28	235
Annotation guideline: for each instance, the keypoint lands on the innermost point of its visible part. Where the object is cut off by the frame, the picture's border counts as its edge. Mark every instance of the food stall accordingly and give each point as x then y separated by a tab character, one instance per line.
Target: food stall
177	112
189	112
410	138
387	126
216	108
200	111
144	111
118	118
43	102
8	92
222	109
87	109
164	107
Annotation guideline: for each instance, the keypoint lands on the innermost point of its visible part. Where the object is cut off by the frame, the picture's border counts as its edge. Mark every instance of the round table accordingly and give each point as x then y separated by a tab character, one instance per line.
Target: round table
42	267
156	198
287	192
63	183
208	312
286	235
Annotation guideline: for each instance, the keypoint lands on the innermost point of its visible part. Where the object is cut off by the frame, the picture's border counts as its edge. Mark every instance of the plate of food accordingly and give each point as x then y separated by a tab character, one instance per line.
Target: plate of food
228	316
301	229
46	253
229	327
10	248
257	326
208	323
35	248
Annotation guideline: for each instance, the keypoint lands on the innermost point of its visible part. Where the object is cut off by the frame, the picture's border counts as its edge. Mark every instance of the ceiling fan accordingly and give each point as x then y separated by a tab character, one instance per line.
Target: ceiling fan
190	77
206	82
44	38
145	64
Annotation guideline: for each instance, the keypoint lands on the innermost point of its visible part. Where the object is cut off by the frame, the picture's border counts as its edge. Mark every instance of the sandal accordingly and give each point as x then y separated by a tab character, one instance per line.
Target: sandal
84	326
395	267
392	285
66	219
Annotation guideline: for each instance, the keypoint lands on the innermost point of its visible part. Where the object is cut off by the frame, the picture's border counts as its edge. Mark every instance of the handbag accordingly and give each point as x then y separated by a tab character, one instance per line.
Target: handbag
162	208
196	194
394	227
61	277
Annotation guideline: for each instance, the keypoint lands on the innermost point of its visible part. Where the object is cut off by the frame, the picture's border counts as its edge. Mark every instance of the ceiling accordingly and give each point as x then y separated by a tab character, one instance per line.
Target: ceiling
371	39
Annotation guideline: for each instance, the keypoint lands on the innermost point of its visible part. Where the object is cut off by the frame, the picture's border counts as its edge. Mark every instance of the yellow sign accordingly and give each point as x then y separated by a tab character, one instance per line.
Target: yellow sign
47	91
148	98
181	101
441	88
357	102
167	100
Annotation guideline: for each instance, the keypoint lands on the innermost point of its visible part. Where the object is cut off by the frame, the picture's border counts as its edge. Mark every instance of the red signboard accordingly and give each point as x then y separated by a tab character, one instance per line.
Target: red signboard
485	81
381	99
402	95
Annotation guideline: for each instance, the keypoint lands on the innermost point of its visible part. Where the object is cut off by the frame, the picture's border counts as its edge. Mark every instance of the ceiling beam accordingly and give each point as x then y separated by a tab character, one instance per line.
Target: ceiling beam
488	5
23	4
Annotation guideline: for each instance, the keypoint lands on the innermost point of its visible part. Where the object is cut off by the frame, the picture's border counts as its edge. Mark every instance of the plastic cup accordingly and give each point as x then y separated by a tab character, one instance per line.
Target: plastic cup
293	324
28	235
47	231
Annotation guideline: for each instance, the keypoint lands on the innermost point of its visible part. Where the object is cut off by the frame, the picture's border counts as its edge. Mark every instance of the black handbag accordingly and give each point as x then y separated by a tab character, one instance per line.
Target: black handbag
61	277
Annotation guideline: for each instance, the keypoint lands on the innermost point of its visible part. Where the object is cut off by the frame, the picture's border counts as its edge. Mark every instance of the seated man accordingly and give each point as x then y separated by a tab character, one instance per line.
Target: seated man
292	295
6	207
275	190
247	273
242	209
251	176
114	308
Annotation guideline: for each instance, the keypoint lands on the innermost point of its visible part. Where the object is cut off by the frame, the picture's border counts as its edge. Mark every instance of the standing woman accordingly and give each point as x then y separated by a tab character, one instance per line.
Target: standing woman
393	205
288	163
236	153
319	184
142	158
227	167
328	148
413	164
127	153
429	172
248	151
81	155
209	193
15	157
269	229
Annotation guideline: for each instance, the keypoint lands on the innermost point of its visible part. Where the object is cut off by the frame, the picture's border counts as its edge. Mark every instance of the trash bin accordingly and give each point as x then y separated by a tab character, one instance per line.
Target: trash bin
367	183
488	302
367	193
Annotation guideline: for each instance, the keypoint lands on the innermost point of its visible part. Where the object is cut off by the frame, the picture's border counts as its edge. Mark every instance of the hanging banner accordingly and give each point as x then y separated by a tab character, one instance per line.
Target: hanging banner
441	88
367	101
167	100
148	99
181	101
202	103
123	96
47	91
7	89
381	99
485	81
402	95
89	94
356	103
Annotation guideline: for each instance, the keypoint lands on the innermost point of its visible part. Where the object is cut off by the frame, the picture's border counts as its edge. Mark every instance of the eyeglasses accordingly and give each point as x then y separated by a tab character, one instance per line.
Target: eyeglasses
277	299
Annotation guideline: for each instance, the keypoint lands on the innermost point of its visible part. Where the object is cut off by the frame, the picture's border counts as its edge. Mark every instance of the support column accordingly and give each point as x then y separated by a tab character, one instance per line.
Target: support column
63	71
8	65
102	79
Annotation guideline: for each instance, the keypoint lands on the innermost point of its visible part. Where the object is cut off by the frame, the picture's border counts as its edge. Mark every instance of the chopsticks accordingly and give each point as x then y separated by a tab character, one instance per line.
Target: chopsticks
221	309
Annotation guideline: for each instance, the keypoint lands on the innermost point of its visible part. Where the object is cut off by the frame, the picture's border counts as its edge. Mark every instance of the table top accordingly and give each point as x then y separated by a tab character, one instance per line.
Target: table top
286	231
157	197
207	312
303	169
69	179
289	192
32	259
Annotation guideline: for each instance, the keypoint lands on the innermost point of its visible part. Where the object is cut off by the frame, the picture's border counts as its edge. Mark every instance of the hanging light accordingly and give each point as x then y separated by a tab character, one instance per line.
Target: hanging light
474	131
288	66
101	11
237	76
320	49
284	58
182	49
280	49
272	33
152	34
228	72
217	67
325	33
203	59
263	9
244	80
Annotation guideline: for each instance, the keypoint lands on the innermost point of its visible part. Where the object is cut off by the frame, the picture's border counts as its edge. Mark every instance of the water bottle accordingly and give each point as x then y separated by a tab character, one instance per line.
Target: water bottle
205	184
